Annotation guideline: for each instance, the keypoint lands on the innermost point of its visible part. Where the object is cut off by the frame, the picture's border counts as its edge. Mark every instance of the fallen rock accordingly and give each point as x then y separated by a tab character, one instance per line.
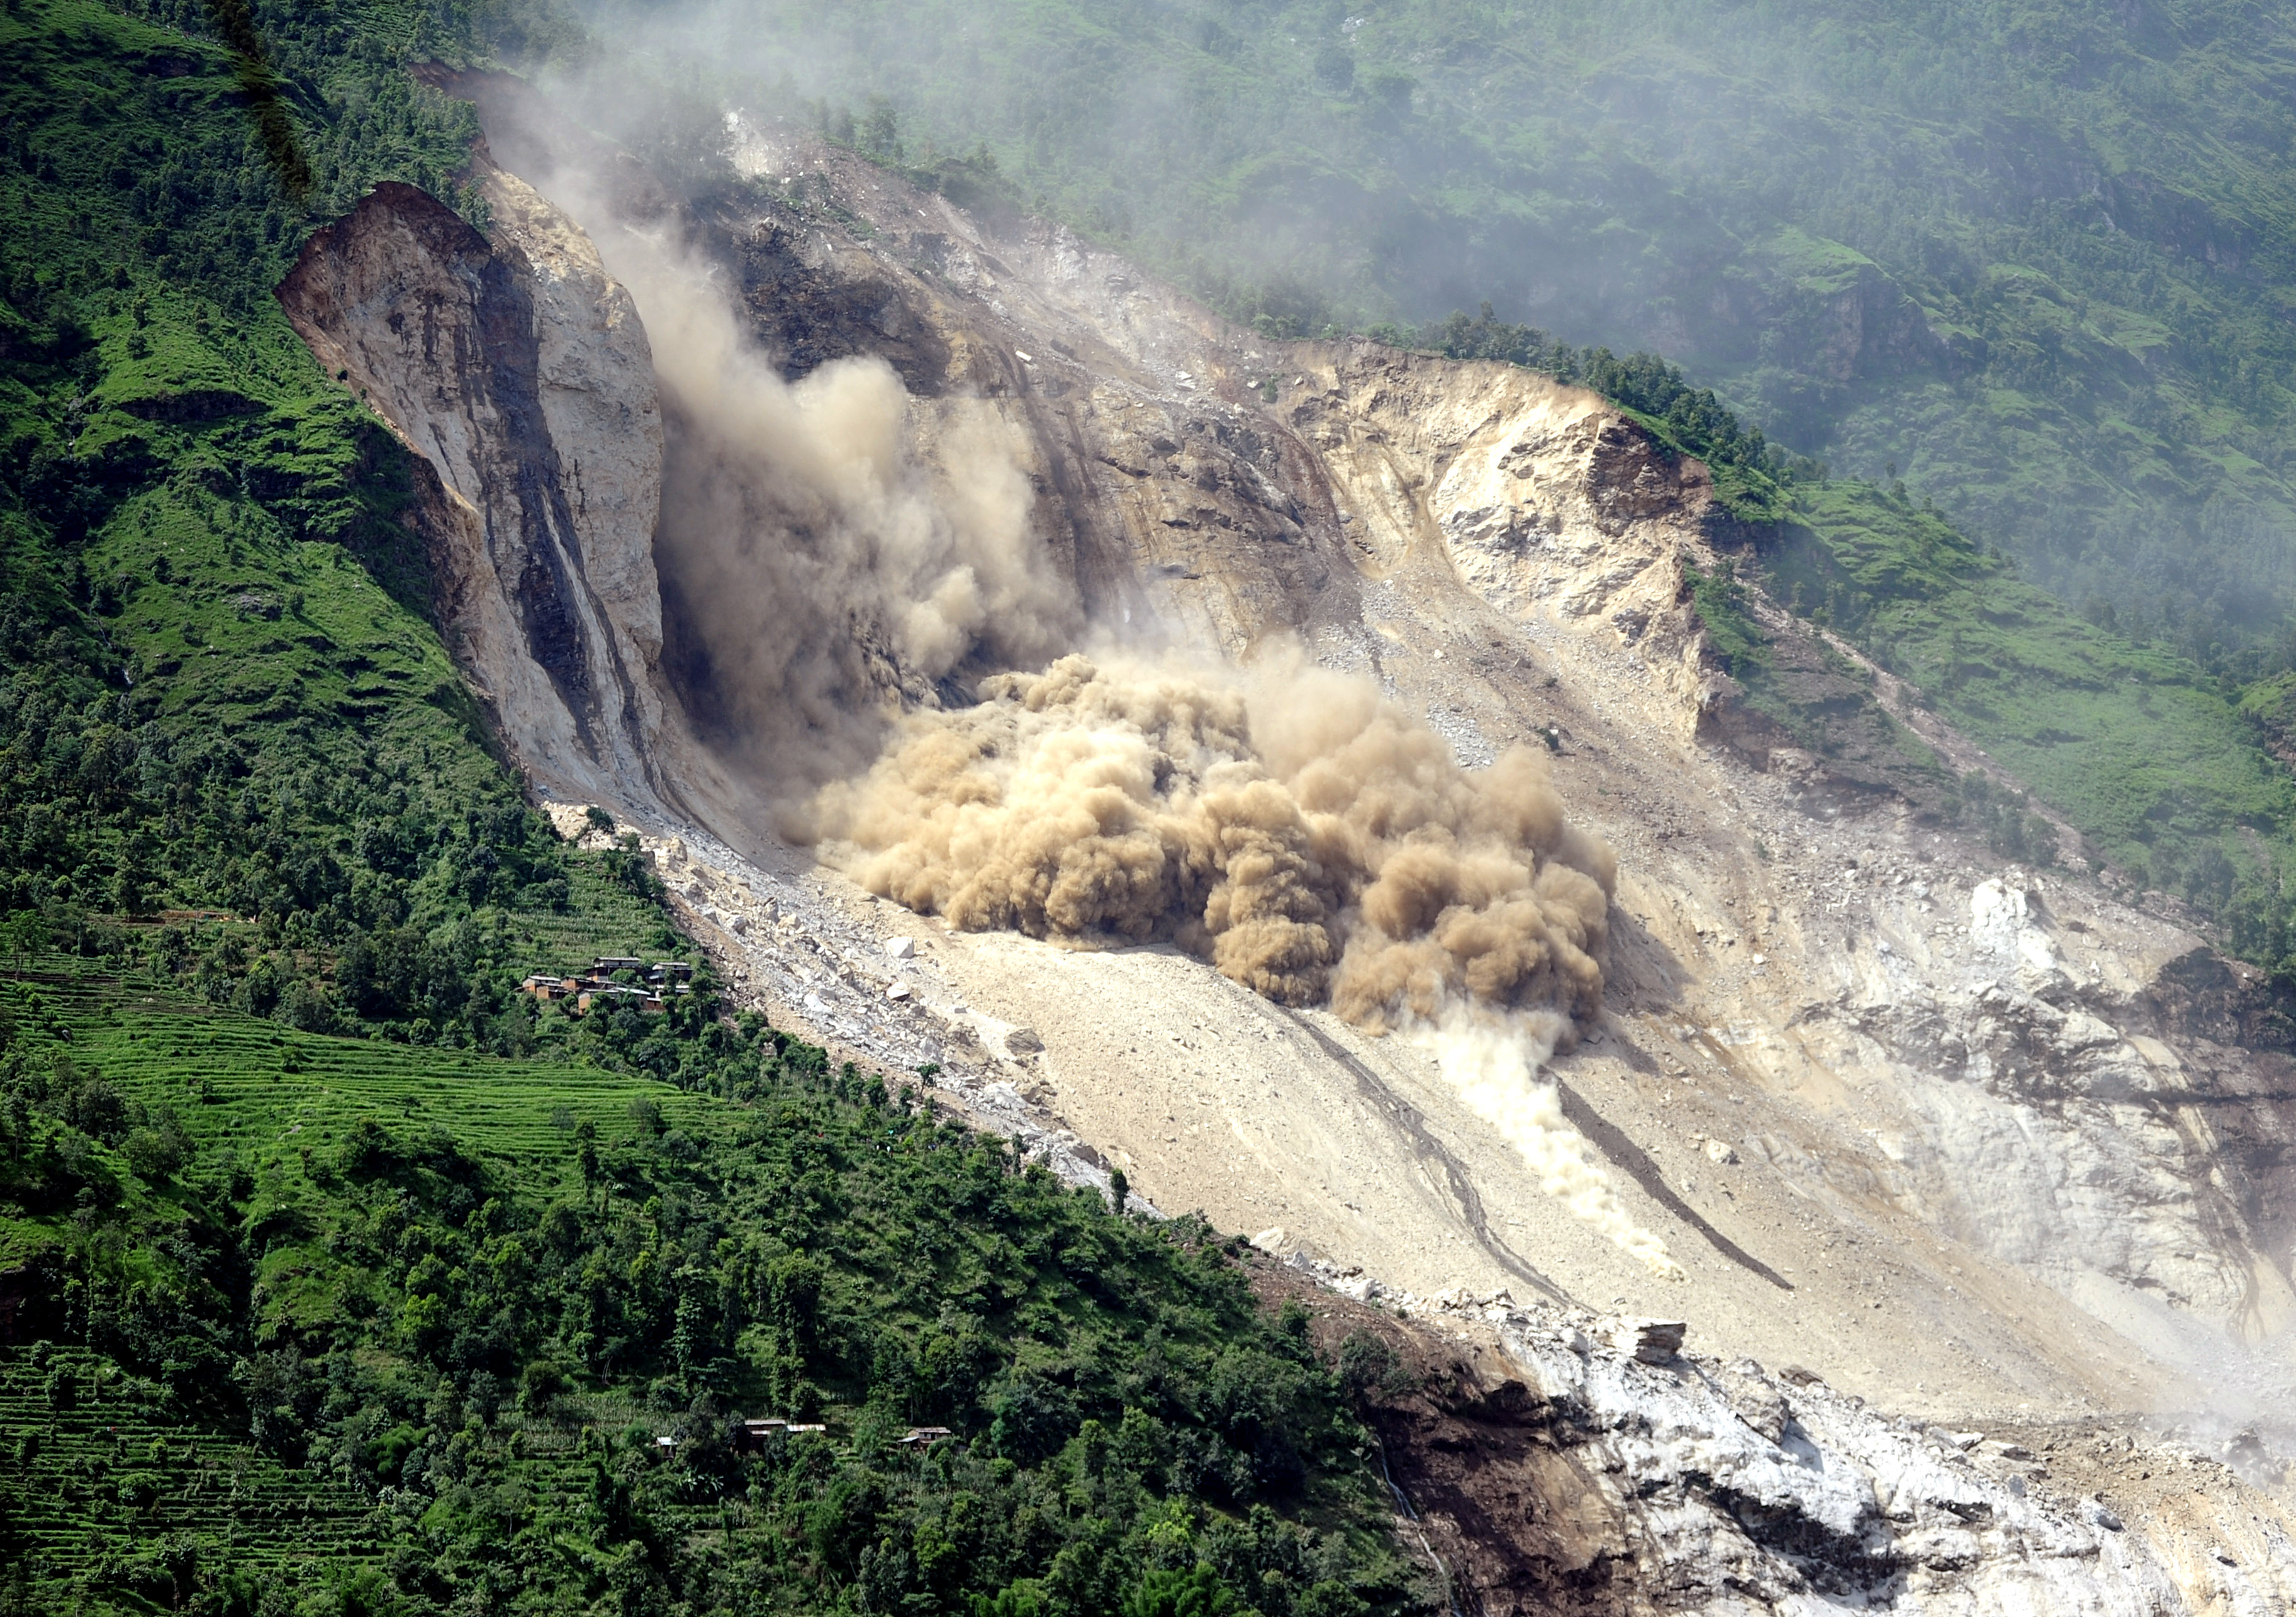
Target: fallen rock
1654	1342
901	948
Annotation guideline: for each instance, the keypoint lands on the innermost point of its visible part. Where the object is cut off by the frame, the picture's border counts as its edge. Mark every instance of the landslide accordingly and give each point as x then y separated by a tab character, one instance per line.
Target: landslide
336	1273
1979	1142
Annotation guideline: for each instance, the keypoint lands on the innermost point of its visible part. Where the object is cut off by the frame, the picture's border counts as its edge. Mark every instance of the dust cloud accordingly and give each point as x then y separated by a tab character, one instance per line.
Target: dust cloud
1494	1064
837	551
1312	841
849	560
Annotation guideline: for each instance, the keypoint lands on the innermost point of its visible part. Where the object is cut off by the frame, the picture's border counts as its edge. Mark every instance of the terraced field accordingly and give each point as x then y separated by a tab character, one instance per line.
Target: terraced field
105	1481
272	1094
603	917
102	1474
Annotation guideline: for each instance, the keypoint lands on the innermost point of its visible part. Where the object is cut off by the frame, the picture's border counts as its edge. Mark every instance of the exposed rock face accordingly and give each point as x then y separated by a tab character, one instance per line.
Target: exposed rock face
518	372
1551	1470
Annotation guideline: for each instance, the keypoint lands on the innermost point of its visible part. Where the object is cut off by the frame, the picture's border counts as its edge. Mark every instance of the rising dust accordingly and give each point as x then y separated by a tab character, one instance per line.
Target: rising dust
1310	839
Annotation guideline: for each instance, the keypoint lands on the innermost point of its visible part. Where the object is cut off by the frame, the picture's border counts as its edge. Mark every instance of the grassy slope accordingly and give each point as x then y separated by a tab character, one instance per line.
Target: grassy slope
208	583
2157	764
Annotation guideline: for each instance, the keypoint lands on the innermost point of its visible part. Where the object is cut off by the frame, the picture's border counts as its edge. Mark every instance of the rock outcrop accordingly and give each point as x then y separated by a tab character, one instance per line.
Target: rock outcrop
518	372
1548	1467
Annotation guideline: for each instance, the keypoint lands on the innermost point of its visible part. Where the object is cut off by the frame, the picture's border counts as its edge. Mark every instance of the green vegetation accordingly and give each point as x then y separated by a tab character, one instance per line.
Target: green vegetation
221	692
327	1324
2158	765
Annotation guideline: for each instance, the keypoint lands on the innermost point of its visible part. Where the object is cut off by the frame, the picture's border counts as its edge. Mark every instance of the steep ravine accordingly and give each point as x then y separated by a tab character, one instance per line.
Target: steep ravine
1979	1147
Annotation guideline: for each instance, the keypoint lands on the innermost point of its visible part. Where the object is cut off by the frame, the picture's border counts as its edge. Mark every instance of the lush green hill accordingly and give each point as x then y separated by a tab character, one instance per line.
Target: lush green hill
328	1324
222	690
2039	256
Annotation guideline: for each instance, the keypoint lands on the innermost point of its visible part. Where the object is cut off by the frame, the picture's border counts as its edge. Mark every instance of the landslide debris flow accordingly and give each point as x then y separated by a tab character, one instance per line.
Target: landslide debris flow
1309	840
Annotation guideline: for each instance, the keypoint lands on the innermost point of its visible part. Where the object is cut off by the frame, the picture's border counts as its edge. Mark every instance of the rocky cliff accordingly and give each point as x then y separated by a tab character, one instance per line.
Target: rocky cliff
1978	1145
518	372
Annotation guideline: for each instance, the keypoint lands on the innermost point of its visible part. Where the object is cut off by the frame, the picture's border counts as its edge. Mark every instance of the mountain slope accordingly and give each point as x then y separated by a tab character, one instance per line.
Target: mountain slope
1969	1139
2034	255
1976	1143
335	1273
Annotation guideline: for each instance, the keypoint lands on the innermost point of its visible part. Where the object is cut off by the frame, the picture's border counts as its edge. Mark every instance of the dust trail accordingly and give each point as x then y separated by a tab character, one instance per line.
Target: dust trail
1494	1064
839	549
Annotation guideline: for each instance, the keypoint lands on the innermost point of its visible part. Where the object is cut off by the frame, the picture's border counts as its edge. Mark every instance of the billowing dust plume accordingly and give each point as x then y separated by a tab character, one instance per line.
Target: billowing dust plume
842	552
836	549
1310	840
1494	1063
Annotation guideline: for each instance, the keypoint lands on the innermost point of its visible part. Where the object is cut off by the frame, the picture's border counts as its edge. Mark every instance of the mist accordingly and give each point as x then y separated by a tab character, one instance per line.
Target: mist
1716	185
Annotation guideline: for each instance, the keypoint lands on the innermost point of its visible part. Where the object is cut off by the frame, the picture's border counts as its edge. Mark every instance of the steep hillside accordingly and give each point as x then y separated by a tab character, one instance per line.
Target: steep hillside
336	1274
2032	256
350	1328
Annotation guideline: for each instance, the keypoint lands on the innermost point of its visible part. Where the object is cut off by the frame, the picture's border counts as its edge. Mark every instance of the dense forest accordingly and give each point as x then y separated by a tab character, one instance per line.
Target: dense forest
323	1325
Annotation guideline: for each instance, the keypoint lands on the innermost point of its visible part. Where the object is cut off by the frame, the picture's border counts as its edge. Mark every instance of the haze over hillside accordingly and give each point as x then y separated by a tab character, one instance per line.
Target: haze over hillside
2035	258
740	875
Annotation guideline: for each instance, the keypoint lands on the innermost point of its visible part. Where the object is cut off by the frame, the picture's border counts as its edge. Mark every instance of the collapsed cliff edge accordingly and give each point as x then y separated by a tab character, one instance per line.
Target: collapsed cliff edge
1915	1133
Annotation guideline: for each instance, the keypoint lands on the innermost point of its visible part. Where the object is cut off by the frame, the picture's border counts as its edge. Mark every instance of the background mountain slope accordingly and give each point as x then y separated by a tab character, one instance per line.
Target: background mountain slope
2036	258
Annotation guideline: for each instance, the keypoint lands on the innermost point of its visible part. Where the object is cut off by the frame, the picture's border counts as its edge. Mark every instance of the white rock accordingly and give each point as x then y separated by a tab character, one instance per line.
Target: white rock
901	948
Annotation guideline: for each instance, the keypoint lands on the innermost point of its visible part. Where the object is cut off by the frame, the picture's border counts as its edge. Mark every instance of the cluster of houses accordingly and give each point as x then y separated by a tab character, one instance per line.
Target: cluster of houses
753	1435
600	988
